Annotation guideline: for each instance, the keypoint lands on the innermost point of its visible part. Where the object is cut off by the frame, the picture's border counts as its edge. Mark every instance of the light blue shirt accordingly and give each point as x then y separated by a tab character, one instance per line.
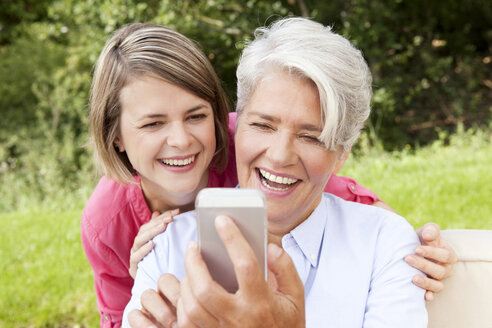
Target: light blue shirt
348	255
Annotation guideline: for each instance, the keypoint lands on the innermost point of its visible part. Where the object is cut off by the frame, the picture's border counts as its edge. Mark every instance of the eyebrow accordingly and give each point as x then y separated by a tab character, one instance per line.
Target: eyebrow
189	111
273	119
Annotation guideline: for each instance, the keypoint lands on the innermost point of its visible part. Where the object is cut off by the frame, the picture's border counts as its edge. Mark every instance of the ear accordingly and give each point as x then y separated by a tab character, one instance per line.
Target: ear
119	145
341	161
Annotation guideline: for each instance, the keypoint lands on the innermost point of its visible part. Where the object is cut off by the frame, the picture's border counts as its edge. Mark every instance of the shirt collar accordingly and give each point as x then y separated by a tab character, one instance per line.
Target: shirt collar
309	234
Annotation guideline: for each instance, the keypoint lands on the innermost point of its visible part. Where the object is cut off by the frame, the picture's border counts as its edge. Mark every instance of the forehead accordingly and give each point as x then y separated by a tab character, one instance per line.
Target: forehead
148	93
286	97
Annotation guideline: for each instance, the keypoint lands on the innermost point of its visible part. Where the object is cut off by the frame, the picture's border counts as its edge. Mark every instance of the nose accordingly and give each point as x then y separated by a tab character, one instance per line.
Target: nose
281	150
178	136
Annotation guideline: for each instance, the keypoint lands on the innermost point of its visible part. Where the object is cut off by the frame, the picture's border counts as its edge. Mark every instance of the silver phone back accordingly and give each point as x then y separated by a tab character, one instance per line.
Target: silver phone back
247	207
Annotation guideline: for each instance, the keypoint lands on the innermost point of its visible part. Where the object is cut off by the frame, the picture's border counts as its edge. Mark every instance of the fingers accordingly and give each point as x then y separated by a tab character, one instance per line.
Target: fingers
192	307
429	296
138	319
157	309
171	213
183	320
137	256
444	255
429	234
142	244
206	290
246	267
431	285
281	265
150	230
434	270
169	288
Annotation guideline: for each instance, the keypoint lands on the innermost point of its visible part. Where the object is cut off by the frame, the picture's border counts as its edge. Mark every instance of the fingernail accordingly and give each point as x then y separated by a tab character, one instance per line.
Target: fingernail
175	211
419	250
429	234
175	325
418	280
429	296
222	221
410	260
275	251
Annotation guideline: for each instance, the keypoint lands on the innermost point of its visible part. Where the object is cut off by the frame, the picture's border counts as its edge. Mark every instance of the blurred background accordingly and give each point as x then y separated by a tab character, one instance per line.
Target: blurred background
426	149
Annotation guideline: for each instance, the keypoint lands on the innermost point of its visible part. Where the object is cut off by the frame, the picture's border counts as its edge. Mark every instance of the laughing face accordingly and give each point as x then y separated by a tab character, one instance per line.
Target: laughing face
277	150
169	137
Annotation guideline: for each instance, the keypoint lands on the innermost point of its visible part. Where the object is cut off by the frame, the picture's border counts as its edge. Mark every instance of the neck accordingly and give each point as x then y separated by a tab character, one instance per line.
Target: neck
275	239
162	200
280	226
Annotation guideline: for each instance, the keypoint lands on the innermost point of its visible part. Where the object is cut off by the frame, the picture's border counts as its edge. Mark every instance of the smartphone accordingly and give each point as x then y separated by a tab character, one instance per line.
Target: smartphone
247	207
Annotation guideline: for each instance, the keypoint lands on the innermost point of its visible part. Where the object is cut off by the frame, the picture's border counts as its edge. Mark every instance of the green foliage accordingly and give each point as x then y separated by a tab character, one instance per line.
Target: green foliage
431	68
431	65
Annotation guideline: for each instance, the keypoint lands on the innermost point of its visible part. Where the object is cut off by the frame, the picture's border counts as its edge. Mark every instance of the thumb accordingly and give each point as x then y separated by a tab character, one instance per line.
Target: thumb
429	234
281	265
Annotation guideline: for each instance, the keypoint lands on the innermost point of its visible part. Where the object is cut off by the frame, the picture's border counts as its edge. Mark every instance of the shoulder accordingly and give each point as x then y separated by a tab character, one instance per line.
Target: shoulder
109	201
228	177
169	250
368	222
349	189
232	121
178	233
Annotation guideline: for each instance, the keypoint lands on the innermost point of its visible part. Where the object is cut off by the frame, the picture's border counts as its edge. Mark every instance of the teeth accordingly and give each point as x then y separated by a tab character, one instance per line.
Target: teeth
274	178
273	188
179	162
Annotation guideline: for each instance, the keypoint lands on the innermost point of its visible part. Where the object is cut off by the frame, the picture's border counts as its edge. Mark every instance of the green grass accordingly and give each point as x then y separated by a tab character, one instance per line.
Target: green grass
451	185
46	281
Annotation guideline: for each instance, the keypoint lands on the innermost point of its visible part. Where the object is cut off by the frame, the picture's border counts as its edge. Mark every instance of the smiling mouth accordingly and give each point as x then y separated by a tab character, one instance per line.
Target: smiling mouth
276	183
178	162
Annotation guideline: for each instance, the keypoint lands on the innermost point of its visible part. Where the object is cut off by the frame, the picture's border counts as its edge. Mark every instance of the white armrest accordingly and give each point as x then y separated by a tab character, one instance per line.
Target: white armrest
466	301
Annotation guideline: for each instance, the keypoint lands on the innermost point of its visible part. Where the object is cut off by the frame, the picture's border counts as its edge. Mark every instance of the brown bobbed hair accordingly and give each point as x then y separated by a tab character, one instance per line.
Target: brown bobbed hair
138	50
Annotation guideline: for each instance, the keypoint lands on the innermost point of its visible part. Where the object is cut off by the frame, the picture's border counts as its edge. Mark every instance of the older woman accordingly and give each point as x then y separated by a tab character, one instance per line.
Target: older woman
303	97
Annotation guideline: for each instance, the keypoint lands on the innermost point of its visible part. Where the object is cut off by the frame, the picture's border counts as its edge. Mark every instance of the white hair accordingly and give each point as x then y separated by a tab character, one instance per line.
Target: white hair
310	50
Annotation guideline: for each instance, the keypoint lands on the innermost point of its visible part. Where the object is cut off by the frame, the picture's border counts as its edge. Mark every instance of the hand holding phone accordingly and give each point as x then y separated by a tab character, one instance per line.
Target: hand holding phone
247	208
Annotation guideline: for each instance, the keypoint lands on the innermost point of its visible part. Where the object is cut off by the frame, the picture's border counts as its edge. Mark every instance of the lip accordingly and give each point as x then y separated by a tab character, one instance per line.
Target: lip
180	169
275	193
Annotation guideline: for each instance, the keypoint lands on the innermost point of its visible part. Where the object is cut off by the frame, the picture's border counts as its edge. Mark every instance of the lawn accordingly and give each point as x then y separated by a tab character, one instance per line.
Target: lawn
451	186
46	281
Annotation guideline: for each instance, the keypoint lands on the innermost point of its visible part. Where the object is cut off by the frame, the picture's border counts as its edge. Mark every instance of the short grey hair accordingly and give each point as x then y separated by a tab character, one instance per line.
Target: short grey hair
308	49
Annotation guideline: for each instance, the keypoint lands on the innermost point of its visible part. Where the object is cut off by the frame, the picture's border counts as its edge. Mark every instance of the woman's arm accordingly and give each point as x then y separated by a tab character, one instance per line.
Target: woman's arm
111	279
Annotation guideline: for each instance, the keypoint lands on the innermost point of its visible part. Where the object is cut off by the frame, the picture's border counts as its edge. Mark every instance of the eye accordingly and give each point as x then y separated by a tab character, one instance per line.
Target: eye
197	117
151	125
311	139
261	126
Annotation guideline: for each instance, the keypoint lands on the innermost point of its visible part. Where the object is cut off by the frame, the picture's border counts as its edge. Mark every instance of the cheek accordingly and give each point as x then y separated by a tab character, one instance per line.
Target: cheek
320	166
207	137
246	151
